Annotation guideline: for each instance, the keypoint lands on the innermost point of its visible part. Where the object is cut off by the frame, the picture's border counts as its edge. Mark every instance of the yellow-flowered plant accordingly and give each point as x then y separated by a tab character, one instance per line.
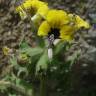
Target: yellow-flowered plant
33	8
6	50
61	25
46	58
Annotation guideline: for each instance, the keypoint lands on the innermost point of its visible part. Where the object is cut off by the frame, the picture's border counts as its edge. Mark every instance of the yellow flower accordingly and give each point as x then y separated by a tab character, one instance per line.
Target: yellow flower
67	32
6	50
44	29
23	57
57	18
32	7
61	25
81	23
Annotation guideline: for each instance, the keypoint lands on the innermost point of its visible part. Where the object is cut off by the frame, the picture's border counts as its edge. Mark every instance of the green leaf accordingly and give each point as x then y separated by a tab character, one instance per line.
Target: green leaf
42	64
3	88
13	61
41	42
32	51
24	45
62	46
12	94
59	47
22	70
25	86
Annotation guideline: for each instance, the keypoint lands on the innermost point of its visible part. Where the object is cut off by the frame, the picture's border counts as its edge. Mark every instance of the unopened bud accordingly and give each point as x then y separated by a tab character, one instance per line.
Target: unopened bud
56	41
36	19
33	18
50	53
22	59
6	50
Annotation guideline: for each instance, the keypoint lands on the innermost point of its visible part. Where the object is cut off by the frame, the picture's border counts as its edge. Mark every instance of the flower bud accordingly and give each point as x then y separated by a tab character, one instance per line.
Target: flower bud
56	41
50	53
6	51
33	18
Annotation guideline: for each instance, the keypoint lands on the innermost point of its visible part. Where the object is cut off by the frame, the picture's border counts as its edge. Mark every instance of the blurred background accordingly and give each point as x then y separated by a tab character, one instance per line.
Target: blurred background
83	74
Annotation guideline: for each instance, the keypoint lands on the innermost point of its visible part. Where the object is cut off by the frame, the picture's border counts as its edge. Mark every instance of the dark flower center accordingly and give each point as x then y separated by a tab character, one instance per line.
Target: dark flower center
54	33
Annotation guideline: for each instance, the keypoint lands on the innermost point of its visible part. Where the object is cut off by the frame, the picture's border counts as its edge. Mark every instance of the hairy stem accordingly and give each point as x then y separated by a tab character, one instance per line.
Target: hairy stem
43	85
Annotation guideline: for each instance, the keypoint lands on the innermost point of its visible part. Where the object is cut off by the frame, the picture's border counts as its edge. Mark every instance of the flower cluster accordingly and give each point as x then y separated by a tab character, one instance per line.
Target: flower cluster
33	8
56	24
61	25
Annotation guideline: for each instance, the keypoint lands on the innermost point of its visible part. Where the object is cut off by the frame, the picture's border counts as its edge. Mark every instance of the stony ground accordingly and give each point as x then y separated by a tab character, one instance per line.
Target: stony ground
12	29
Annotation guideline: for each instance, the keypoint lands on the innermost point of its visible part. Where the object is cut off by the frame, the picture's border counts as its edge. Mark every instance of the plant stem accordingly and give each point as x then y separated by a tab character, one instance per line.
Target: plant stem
43	85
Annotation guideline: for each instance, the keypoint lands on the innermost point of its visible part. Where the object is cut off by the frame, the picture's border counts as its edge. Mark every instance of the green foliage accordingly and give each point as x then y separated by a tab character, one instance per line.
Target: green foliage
42	63
31	71
32	51
37	63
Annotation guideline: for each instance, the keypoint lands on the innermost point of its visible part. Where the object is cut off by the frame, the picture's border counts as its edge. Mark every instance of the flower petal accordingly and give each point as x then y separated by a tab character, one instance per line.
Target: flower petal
56	18
44	29
33	7
81	23
67	32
